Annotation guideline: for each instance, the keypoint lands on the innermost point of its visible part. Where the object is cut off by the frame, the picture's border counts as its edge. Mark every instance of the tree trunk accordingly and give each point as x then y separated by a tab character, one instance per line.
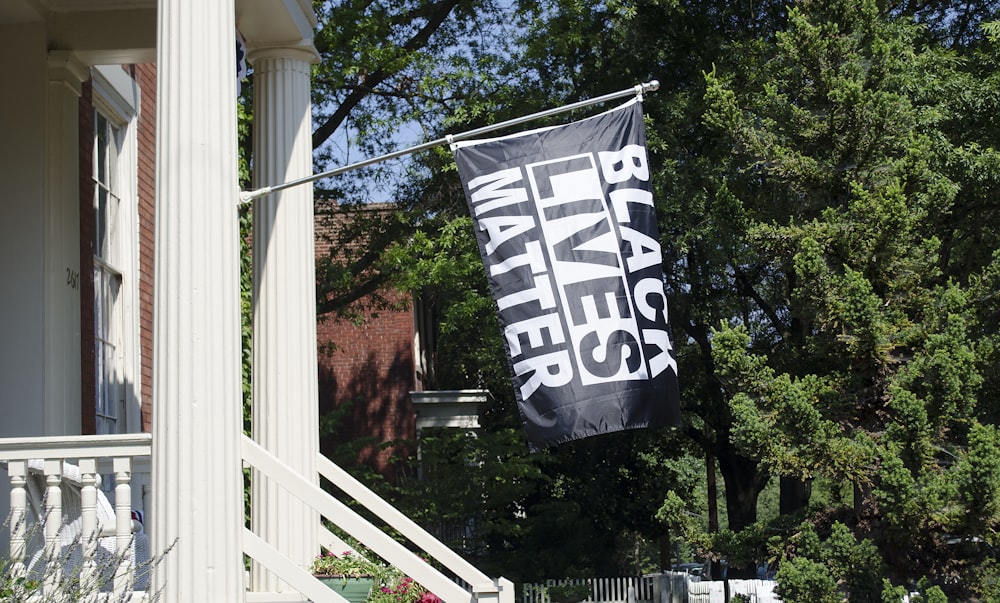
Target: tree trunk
744	481
713	493
664	546
794	495
712	488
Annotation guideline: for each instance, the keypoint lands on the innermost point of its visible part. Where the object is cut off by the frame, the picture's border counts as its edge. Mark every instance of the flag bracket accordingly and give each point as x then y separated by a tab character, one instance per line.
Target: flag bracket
638	90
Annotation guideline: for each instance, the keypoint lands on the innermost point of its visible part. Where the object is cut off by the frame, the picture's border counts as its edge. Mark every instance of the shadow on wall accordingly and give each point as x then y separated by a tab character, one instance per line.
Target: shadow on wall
366	405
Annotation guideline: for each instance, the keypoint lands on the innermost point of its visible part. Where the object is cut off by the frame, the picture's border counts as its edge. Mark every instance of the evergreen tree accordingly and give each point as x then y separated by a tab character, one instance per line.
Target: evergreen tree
865	359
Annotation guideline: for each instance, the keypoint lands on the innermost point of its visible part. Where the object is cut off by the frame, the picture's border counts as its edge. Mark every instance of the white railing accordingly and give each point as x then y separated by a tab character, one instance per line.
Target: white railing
63	525
667	587
55	488
623	589
482	589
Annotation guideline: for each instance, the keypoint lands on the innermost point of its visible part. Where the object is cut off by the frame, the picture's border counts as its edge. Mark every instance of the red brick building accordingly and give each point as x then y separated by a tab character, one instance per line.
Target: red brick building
367	367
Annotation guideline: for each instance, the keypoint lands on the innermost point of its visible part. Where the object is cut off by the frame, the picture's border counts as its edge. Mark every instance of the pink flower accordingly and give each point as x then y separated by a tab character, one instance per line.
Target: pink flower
429	597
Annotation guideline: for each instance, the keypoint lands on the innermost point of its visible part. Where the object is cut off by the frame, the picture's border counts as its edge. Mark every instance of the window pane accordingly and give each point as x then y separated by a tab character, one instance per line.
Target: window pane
110	391
101	148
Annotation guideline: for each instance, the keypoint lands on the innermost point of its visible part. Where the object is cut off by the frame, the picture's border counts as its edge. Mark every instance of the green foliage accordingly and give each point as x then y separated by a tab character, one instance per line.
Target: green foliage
928	593
892	594
978	479
568	593
803	580
391	71
389	585
348	564
839	567
825	176
15	588
674	512
859	359
440	264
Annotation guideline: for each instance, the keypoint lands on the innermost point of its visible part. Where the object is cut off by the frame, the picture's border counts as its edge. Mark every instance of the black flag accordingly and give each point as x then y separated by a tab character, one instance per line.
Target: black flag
566	227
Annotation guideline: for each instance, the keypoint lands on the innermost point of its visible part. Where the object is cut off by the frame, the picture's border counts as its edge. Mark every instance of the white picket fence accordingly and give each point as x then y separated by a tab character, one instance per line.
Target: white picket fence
668	587
603	590
759	591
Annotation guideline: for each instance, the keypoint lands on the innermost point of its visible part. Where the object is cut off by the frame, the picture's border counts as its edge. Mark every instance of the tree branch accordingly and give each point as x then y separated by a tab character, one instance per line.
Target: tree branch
765	307
435	15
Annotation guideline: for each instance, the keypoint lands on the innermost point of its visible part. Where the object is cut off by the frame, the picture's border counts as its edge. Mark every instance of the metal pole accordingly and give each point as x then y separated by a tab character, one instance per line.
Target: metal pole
638	89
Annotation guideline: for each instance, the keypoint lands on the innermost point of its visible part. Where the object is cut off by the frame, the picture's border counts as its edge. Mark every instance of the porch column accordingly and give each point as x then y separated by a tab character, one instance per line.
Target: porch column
62	245
285	382
197	421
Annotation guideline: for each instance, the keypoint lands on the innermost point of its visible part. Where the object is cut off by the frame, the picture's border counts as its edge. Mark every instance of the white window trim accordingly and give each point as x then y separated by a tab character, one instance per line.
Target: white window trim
116	97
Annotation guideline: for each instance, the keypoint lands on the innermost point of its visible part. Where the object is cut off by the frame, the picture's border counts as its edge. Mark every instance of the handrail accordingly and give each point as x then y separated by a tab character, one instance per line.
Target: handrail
296	577
403	524
375	539
76	446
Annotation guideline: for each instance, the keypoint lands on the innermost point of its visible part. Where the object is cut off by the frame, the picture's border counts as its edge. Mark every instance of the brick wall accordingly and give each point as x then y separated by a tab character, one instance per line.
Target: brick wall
369	367
145	75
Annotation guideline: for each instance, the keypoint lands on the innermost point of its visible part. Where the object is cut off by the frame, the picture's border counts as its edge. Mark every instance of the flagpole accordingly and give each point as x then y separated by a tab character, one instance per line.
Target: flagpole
638	89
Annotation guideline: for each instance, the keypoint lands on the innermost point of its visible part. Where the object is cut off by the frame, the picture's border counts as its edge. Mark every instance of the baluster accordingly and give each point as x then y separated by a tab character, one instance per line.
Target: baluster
52	518
17	470
124	573
88	523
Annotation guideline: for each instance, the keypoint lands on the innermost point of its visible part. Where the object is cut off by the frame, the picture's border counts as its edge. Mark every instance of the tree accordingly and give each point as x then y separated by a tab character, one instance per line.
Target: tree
825	182
865	358
824	192
389	73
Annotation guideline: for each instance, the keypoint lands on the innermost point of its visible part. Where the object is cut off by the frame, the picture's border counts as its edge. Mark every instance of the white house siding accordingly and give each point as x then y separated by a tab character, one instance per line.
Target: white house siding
23	234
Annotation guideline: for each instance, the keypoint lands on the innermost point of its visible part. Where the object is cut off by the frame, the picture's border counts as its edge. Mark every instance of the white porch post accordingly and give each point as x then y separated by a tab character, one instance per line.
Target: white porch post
285	383
62	245
198	484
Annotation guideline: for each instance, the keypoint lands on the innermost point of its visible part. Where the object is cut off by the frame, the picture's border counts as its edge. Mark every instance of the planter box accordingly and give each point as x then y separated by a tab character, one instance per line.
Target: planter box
355	590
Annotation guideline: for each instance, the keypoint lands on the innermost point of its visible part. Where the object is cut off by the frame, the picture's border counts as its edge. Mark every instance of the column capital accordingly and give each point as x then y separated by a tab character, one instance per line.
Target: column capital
307	54
67	68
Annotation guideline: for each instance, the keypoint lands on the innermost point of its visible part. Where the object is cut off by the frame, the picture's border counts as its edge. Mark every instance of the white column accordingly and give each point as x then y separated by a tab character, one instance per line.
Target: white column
197	422
285	383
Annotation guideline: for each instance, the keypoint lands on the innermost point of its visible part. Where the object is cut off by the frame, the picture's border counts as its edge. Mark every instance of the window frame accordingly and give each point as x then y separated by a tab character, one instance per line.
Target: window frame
116	100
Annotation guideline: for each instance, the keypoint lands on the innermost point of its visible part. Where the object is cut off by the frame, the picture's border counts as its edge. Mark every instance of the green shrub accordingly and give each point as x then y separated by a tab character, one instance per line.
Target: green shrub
802	580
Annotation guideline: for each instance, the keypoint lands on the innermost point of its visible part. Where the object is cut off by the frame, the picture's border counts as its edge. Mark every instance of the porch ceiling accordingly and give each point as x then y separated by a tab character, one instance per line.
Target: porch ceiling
124	31
27	11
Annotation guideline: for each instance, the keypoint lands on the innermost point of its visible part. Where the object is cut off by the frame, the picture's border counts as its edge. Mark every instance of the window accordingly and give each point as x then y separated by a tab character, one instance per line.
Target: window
116	254
108	331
